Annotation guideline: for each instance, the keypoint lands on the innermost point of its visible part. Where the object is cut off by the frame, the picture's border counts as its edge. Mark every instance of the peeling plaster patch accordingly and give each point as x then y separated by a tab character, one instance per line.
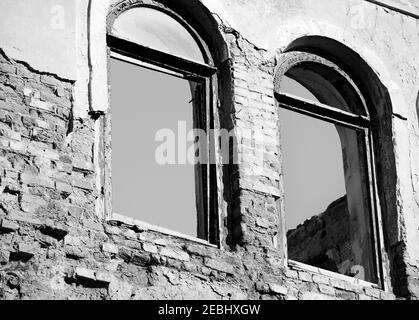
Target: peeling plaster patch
59	56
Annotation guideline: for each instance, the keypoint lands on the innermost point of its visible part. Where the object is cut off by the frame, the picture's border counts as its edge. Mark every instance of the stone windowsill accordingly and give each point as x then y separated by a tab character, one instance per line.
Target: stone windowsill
150	227
298	266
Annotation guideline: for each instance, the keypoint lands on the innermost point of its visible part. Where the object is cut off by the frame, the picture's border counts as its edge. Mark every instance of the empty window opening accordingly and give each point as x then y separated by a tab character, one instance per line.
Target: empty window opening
161	95
312	161
327	182
163	195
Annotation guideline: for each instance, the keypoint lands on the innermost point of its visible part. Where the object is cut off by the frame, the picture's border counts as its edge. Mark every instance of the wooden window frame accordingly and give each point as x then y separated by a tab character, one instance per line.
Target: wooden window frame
361	124
205	174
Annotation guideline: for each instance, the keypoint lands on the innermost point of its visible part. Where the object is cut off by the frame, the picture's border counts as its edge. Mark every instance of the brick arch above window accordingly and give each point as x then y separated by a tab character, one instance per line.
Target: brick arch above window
345	99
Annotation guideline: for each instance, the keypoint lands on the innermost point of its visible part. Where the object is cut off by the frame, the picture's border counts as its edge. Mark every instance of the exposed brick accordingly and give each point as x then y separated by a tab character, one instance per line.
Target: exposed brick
85	273
387	296
345	295
31	203
64	187
130	234
49	191
104	277
17	146
160	242
292	274
27	248
112	230
8	226
110	248
150	248
7	68
278	289
175	254
4	257
262	287
327	289
219	265
42	105
321	279
36	180
372	292
75	252
198	250
50	80
83	184
364	297
93	225
82	165
304	276
340	284
24	217
315	296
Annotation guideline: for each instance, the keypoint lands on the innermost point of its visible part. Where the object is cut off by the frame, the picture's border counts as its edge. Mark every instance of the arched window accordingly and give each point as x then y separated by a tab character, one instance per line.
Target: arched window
331	204
162	82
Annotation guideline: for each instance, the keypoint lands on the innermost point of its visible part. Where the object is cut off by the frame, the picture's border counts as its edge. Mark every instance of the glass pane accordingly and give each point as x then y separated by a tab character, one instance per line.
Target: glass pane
291	87
157	30
143	103
338	94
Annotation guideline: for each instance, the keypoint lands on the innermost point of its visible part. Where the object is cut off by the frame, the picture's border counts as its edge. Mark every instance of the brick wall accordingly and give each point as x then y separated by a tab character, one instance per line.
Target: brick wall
324	240
54	246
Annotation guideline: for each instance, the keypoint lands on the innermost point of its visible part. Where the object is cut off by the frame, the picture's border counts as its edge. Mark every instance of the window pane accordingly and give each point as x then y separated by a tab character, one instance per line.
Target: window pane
337	93
291	87
143	102
157	30
326	196
327	202
312	166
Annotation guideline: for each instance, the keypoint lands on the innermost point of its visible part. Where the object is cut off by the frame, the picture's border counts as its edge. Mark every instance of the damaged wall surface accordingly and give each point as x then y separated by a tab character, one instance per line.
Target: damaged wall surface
55	239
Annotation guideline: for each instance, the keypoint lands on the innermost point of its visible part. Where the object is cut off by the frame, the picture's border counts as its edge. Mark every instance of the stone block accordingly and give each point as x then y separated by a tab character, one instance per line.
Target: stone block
219	265
85	273
278	289
175	254
110	248
4	256
8	226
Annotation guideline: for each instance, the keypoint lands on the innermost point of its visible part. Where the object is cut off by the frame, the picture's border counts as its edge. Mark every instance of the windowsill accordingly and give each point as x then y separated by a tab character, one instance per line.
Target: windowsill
298	266
150	227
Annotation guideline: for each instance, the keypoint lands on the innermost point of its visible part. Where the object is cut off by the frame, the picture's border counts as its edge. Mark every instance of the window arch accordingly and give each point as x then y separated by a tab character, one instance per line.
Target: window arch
346	236
169	87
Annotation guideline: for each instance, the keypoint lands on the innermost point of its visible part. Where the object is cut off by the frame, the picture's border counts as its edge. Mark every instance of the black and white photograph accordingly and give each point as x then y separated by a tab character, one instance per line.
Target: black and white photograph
209	156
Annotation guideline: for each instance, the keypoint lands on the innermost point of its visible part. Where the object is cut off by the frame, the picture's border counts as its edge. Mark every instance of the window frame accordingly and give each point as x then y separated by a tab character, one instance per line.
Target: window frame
360	123
206	76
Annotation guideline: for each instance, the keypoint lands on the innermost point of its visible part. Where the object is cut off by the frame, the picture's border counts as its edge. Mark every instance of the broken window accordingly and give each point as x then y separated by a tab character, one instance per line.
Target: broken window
161	95
330	200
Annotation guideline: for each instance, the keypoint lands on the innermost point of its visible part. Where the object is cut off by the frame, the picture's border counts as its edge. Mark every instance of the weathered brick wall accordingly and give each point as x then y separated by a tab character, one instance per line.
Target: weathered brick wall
324	239
46	175
53	245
